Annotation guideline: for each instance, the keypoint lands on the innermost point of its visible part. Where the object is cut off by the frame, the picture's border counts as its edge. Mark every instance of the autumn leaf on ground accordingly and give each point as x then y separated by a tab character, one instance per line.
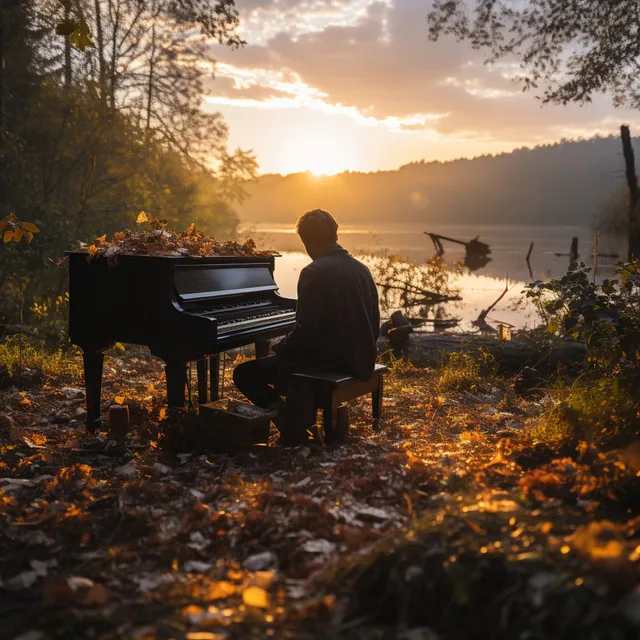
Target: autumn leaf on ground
142	217
256	597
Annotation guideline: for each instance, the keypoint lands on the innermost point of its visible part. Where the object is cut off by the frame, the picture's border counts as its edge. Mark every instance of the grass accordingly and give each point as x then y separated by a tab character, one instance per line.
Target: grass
18	353
598	411
463	372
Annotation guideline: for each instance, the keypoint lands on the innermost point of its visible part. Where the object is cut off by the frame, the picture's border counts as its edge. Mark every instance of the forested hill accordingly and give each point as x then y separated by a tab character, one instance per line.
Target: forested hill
565	183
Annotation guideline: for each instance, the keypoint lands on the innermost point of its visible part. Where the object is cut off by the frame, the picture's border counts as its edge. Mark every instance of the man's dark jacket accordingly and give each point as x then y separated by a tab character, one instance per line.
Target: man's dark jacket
337	319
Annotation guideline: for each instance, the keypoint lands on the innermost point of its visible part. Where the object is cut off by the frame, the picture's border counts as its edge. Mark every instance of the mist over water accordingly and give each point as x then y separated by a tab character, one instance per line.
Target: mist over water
479	288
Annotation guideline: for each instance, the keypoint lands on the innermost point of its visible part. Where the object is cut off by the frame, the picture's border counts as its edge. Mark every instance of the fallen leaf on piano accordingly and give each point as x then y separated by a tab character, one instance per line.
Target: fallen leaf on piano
119	346
119	400
101	239
61	261
142	217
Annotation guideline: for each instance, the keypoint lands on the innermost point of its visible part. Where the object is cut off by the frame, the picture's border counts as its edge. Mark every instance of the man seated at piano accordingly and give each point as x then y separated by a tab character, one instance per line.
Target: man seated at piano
337	325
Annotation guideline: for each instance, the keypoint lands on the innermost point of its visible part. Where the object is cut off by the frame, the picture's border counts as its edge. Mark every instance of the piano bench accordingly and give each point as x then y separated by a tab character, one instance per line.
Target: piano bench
330	390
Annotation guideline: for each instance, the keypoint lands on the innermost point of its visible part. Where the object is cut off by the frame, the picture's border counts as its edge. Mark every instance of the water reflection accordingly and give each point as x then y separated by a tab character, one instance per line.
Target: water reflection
519	254
477	292
509	245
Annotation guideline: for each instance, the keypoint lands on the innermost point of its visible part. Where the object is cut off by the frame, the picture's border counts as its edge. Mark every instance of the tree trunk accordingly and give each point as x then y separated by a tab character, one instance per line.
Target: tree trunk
67	49
1	73
428	349
101	61
150	84
634	196
114	55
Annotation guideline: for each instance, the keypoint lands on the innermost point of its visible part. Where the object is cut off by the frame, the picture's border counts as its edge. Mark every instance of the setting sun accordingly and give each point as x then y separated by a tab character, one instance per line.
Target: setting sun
322	155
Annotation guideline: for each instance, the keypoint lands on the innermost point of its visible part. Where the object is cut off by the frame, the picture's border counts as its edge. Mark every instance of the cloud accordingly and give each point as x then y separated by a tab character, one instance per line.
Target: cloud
373	61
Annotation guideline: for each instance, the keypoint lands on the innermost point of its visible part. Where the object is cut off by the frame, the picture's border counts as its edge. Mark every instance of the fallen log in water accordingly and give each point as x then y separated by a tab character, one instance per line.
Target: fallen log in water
426	349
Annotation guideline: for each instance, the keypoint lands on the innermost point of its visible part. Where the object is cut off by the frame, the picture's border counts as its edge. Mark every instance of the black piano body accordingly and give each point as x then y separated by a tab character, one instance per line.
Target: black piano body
184	309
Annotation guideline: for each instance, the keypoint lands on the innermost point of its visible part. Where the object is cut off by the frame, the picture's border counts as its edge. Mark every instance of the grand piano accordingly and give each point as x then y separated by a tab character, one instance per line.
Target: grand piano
185	309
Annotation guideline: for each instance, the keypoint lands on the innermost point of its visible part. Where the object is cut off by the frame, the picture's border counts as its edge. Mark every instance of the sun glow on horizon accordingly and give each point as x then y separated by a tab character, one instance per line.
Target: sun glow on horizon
319	154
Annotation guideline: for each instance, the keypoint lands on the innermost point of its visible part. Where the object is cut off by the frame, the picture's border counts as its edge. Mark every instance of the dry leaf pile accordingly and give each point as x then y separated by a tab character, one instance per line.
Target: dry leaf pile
445	525
153	238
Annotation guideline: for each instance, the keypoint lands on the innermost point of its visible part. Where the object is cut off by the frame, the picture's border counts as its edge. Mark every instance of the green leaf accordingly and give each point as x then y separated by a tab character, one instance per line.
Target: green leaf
81	36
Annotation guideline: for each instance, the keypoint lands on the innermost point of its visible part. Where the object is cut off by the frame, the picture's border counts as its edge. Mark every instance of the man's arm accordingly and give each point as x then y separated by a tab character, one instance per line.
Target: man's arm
305	333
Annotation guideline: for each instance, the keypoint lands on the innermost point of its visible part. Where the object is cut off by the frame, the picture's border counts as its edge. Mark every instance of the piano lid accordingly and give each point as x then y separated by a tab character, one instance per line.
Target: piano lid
215	281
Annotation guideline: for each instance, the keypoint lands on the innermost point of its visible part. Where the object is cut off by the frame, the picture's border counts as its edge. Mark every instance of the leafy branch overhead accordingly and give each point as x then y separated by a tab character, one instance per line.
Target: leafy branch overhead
571	50
14	230
78	33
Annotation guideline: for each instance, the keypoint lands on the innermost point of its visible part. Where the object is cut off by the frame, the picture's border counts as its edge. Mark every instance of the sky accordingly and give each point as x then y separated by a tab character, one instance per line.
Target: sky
334	85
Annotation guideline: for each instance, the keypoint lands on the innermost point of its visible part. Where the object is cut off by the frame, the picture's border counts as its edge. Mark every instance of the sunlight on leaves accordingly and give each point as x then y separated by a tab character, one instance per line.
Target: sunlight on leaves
256	597
14	230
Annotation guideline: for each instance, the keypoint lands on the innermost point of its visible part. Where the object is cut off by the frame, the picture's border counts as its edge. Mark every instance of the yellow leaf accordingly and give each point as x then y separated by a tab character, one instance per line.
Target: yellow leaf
142	217
221	590
8	236
101	239
119	346
119	399
546	527
163	413
256	597
29	236
29	226
17	234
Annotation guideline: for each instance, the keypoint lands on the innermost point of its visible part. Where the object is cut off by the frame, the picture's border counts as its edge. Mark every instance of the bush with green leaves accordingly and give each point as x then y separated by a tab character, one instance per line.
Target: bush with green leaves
606	317
604	403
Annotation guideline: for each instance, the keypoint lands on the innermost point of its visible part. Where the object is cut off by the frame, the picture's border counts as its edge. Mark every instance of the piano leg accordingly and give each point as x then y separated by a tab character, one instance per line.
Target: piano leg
214	372
203	382
176	373
93	361
263	349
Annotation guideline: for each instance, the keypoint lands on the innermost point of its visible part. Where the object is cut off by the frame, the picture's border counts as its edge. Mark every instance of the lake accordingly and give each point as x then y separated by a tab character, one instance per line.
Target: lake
478	288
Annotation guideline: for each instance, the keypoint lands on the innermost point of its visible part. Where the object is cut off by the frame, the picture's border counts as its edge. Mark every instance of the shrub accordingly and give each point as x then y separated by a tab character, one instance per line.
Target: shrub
460	372
18	353
596	410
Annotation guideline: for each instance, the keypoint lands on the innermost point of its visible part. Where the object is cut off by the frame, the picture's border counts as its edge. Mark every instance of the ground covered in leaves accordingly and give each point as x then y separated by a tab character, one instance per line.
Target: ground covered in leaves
451	522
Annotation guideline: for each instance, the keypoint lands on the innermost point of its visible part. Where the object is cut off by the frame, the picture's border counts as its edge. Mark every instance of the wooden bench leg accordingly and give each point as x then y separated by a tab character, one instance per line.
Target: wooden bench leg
376	404
329	418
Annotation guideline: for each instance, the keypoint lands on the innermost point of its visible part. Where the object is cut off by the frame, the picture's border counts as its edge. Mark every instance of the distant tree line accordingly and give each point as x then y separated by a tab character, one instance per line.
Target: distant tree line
101	117
559	184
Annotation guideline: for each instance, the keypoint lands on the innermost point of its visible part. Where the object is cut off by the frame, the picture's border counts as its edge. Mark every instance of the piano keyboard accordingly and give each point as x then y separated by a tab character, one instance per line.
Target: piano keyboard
257	320
247	315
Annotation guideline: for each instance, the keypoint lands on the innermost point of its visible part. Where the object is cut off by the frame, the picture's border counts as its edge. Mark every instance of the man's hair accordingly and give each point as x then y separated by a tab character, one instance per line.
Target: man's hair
318	225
